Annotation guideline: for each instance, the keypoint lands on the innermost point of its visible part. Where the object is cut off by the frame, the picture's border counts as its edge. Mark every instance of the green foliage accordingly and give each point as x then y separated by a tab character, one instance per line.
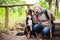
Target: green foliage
21	10
2	12
2	1
11	1
43	4
17	14
58	15
14	2
1	26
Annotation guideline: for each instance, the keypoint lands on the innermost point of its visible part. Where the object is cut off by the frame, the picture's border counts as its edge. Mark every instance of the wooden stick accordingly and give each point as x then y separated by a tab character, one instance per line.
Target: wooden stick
6	17
13	5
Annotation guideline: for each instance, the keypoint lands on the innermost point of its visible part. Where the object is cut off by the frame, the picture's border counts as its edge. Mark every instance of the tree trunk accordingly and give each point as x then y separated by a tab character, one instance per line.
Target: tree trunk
49	2
49	6
56	7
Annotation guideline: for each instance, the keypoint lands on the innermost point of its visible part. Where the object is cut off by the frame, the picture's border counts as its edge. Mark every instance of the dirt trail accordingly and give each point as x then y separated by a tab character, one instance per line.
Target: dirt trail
13	37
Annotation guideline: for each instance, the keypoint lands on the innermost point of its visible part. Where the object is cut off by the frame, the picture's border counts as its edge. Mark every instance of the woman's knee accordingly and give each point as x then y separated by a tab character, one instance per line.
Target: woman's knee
38	27
46	30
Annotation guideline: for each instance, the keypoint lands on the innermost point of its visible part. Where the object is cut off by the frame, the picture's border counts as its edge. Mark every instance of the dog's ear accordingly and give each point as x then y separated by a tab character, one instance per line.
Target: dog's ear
27	11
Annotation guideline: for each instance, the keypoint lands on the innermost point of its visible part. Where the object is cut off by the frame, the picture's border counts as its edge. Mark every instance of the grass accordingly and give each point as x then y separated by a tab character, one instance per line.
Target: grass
15	18
57	17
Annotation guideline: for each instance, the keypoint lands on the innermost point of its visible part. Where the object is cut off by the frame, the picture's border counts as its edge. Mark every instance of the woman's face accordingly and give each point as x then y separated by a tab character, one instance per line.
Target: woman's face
36	8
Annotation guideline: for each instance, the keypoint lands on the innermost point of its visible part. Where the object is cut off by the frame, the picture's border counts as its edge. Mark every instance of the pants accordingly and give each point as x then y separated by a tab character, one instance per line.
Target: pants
44	30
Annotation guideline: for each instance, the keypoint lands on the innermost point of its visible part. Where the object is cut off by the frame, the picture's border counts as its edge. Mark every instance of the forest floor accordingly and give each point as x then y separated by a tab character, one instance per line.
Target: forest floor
14	37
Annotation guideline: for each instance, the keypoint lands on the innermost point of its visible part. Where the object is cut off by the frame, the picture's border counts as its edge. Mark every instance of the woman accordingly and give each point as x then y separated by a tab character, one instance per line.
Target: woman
42	22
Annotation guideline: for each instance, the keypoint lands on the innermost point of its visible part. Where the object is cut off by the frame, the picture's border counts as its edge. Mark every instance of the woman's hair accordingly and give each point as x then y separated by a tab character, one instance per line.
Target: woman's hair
37	6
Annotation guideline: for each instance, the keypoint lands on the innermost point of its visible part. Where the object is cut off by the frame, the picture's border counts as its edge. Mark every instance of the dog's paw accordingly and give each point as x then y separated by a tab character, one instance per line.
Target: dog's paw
28	36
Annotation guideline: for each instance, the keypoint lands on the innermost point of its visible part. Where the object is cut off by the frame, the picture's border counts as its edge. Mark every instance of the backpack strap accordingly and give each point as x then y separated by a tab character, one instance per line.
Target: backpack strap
52	18
46	14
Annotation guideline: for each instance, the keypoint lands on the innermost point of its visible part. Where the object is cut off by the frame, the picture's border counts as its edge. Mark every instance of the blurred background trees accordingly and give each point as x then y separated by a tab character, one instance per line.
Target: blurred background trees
53	5
17	14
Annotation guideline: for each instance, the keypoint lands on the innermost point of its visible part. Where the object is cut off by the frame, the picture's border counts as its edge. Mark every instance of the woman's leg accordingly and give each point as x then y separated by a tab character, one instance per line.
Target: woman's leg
46	31
38	28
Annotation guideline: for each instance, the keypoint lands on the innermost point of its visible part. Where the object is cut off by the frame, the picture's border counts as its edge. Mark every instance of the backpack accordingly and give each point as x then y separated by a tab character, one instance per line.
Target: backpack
46	14
52	18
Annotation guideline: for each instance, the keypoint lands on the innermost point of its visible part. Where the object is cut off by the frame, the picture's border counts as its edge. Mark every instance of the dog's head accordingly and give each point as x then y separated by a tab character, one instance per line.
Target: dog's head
29	11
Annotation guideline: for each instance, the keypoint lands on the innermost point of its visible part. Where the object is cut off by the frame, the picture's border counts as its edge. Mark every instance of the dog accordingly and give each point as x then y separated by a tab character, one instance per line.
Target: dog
29	23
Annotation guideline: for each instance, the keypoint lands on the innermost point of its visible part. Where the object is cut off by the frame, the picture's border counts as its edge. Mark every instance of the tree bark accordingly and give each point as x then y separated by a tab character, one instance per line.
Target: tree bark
56	7
49	2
